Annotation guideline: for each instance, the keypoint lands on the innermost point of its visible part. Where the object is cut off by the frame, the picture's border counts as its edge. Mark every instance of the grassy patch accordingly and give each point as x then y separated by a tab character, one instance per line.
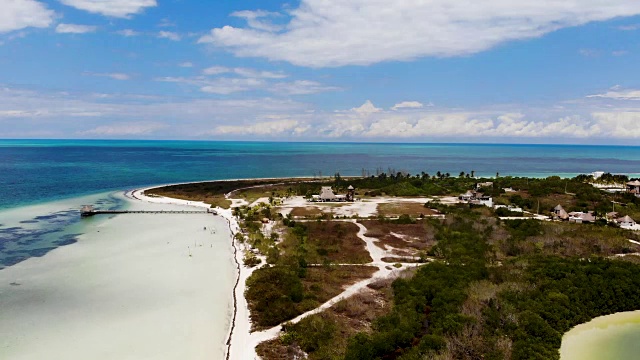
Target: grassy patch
324	335
305	212
398	208
279	293
413	237
320	242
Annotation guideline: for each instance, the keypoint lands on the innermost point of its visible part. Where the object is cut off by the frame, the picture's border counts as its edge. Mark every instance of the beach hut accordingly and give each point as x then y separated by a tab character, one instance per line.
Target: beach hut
634	187
326	194
559	213
351	193
626	221
581	217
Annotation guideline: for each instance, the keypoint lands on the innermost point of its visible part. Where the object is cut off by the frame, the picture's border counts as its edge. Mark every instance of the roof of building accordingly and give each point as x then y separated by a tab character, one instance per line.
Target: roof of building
626	219
327	193
350	187
558	208
583	216
634	183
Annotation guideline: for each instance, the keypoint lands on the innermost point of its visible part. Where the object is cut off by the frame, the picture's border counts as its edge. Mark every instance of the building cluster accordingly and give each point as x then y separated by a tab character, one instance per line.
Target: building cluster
558	213
476	198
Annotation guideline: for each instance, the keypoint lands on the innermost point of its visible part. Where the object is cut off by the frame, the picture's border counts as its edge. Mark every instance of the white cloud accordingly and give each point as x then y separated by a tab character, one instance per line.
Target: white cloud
301	87
186	64
245	72
226	86
223	86
589	52
126	129
329	33
169	35
617	93
20	14
254	22
247	80
112	8
619	52
128	32
620	124
259	74
74	29
408	105
118	115
166	23
366	108
114	76
276	127
629	27
216	70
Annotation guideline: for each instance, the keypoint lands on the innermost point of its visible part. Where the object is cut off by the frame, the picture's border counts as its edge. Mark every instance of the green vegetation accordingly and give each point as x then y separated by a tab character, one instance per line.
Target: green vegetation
472	307
497	290
282	292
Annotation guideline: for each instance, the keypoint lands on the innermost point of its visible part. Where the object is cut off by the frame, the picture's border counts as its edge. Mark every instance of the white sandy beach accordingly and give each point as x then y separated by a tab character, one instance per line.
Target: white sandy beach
241	343
128	289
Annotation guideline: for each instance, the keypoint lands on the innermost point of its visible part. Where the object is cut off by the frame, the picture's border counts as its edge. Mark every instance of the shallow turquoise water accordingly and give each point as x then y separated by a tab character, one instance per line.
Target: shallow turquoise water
52	175
35	171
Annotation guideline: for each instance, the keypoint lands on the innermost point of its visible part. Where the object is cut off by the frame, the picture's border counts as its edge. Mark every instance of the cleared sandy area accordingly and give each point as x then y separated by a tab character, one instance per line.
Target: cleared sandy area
134	286
362	208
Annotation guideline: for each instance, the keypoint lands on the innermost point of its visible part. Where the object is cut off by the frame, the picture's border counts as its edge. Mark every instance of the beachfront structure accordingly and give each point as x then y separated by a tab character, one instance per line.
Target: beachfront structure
626	222
581	217
476	198
484	184
559	213
351	193
597	174
483	200
468	196
612	216
510	208
327	194
634	187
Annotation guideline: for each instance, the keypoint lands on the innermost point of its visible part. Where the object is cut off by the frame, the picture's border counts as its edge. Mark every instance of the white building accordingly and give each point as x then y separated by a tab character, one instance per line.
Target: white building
626	222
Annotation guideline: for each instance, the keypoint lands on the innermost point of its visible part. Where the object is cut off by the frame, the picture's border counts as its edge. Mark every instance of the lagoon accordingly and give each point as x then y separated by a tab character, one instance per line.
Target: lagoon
611	337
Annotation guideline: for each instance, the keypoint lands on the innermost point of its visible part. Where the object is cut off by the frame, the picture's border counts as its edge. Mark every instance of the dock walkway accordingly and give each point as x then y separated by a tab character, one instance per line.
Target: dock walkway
89	211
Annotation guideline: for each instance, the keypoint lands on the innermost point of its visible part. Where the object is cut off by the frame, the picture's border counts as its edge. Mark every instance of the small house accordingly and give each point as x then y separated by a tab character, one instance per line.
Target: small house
634	187
468	196
581	217
559	213
626	222
326	194
488	184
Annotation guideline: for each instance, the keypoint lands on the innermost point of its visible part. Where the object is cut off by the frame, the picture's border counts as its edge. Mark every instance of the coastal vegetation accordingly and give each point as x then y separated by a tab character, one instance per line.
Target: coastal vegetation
496	283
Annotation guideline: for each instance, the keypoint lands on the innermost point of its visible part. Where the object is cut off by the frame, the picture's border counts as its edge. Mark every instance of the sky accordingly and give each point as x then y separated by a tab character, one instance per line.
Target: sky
480	71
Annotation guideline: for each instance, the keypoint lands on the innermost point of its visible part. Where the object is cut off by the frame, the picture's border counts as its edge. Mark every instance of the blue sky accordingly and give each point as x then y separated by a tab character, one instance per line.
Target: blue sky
543	71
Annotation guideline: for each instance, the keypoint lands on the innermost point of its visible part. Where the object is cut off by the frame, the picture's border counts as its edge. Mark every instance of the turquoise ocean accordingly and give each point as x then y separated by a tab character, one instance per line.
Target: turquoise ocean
43	182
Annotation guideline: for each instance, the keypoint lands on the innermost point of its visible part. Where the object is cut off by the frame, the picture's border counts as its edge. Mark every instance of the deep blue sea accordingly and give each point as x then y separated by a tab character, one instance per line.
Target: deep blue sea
36	171
43	183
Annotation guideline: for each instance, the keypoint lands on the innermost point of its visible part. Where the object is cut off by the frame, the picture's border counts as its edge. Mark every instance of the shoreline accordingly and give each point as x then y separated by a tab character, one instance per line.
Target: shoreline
140	282
239	333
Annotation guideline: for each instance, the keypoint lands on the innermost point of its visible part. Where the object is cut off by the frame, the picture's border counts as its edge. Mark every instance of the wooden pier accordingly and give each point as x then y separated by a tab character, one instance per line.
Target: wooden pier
88	210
